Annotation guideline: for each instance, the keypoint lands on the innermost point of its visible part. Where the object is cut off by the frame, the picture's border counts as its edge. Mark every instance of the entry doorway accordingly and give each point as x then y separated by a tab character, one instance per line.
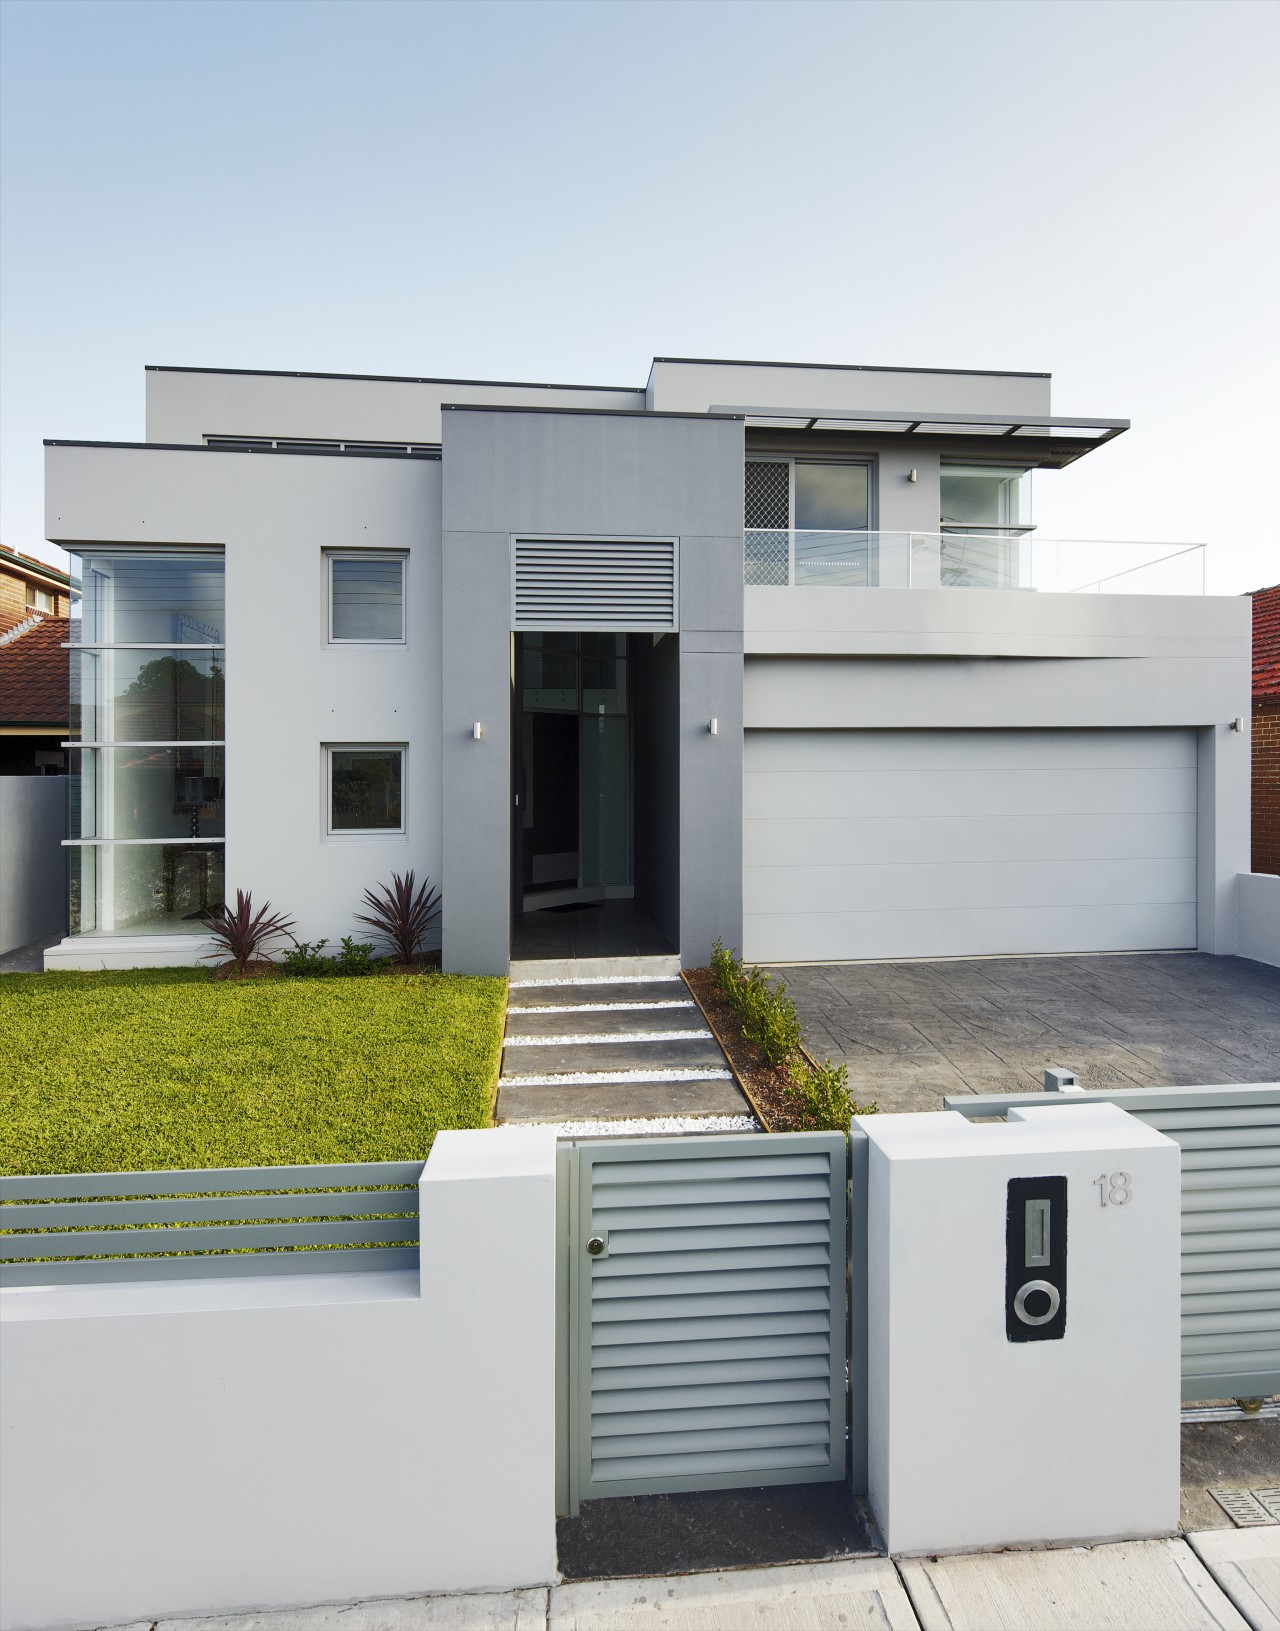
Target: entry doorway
589	726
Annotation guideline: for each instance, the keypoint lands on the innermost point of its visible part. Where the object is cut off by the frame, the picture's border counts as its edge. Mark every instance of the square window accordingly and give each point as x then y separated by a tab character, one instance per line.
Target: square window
366	789
366	599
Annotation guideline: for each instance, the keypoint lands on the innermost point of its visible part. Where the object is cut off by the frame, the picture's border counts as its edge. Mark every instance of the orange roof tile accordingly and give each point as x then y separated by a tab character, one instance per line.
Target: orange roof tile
1266	642
34	675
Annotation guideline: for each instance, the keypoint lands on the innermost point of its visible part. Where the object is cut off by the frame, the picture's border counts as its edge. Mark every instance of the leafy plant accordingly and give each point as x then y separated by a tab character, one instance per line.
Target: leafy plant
240	934
356	957
769	1018
825	1102
306	957
768	1014
402	912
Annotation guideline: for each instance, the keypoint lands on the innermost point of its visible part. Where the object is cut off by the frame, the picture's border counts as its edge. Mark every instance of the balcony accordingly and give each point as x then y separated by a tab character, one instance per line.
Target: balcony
987	558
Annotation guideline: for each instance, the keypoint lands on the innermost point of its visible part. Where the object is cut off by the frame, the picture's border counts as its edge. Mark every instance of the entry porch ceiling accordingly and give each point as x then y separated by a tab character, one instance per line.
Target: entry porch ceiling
1043	441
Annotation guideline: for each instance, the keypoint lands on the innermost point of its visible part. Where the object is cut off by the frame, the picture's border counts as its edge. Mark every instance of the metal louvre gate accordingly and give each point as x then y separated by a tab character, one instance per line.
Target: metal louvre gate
707	1330
607	583
1230	1142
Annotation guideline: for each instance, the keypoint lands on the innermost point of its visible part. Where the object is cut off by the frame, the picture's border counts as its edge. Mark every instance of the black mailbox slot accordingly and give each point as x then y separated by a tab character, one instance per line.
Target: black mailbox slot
1035	1262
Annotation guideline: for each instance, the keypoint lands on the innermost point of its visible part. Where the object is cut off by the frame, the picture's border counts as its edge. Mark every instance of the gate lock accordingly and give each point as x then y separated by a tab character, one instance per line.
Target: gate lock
598	1246
1035	1272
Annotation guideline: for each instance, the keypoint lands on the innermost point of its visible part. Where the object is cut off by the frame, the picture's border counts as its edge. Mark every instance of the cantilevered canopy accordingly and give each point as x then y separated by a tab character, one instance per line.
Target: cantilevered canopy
1043	440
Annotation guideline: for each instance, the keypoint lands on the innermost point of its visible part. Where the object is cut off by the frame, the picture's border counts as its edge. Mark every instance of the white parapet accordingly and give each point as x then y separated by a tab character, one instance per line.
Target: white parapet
195	1446
980	1440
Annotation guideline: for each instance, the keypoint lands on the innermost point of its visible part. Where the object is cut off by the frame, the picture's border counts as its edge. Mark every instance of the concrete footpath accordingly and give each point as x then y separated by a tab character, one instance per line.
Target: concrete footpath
1220	1580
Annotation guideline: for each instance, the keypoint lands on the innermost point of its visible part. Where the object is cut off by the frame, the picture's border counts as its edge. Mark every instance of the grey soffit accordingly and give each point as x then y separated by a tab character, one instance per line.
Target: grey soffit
585	584
243	445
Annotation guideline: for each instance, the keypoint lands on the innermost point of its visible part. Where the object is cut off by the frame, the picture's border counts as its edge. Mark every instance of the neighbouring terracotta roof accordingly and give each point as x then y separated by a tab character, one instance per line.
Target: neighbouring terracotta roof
1266	642
34	674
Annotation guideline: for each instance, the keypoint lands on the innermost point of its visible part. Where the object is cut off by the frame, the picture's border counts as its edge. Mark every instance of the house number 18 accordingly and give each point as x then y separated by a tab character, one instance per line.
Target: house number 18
1114	1189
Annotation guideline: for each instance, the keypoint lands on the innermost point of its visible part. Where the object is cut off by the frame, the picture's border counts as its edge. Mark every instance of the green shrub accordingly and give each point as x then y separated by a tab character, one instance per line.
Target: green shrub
769	1018
307	960
727	968
823	1092
306	957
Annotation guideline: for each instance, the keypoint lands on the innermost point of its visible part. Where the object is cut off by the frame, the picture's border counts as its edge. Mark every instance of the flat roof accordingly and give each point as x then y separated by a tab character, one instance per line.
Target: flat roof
854	367
389	379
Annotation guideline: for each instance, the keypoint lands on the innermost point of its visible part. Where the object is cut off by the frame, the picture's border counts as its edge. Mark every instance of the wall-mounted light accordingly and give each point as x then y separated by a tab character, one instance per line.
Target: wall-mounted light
477	732
1237	724
713	725
913	474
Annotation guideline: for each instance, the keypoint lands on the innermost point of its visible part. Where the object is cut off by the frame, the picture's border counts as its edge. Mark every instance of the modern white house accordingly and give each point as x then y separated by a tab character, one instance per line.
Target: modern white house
761	651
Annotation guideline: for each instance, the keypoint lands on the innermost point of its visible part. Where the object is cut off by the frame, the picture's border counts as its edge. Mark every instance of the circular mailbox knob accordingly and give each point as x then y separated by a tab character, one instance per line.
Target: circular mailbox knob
595	1246
1020	1302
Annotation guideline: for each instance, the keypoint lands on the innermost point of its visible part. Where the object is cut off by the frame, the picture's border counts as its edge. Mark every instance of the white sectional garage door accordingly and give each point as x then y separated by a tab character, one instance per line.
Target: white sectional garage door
953	843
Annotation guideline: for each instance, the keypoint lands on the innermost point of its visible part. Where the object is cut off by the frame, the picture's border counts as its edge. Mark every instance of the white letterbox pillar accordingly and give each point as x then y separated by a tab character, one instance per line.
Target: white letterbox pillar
1023	1310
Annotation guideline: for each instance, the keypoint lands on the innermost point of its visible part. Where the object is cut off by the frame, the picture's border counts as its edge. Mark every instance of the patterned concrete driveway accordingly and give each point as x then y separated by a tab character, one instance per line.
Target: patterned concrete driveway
912	1032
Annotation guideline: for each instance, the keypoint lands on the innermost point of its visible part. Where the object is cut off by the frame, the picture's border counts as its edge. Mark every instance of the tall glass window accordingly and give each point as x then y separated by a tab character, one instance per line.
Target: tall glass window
147	790
986	511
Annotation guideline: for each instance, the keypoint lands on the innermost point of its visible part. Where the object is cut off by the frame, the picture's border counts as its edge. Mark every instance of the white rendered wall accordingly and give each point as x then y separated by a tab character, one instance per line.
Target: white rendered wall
287	691
694	387
186	405
1260	916
977	1441
236	1444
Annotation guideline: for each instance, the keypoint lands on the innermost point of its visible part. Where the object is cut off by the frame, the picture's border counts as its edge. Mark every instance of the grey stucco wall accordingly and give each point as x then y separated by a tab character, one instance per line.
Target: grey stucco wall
656	702
33	873
592	475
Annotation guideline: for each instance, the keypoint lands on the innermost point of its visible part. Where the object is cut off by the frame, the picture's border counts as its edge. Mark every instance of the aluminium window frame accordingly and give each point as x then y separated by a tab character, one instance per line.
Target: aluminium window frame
870	460
362	835
370	554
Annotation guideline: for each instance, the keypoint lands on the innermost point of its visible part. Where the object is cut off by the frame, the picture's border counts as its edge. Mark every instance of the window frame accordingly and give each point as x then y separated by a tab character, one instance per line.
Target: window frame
870	460
363	835
399	555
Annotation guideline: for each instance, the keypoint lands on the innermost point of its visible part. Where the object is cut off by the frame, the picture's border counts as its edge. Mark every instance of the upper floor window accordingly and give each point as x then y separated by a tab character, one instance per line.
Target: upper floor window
983	497
366	598
807	521
39	600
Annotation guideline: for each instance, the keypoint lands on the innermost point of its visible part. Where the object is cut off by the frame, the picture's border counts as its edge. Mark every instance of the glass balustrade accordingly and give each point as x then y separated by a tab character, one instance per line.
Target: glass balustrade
985	558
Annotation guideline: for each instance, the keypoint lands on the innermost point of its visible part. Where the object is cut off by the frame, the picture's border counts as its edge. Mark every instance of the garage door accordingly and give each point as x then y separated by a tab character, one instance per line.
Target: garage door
957	843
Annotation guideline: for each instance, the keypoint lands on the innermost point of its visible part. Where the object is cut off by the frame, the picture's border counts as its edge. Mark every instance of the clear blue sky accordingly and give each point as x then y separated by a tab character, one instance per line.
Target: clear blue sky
556	191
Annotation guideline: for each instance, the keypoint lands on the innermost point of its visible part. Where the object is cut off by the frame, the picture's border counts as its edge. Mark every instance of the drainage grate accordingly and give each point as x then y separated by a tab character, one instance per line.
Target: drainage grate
1248	1508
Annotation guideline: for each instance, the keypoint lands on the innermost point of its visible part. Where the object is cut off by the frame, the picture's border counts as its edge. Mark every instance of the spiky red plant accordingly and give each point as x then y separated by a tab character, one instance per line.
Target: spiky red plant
402	913
240	934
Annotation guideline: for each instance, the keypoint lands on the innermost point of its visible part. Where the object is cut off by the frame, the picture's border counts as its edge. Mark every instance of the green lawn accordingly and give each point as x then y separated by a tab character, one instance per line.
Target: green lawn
155	1068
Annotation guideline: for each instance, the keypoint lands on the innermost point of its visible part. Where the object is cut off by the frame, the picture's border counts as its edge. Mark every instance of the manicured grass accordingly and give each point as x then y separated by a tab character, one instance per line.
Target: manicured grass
156	1068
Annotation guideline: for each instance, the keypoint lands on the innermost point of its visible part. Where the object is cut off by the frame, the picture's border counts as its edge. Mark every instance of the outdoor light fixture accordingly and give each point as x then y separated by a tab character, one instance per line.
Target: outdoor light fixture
477	732
1237	724
913	474
713	725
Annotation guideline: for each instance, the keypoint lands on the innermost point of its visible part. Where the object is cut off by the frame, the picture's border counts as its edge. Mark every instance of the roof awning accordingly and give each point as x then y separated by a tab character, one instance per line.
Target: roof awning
1043	439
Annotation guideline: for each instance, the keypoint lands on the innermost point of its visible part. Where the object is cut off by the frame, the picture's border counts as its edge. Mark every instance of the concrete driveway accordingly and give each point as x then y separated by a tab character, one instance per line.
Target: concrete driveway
911	1033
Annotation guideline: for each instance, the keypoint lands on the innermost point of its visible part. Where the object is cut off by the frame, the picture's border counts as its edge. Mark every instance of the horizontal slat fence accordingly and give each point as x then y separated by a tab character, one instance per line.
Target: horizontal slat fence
1230	1142
92	1227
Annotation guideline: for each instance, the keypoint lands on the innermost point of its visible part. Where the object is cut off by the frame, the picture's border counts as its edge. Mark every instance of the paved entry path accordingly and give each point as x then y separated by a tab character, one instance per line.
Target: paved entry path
610	1039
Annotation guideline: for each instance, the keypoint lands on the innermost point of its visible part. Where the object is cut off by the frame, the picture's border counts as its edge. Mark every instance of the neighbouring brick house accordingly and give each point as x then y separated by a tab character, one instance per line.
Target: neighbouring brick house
30	588
1266	729
34	704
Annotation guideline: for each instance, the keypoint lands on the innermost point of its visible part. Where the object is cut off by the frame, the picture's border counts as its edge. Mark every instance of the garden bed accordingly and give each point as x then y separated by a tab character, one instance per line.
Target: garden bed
768	1087
162	1068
